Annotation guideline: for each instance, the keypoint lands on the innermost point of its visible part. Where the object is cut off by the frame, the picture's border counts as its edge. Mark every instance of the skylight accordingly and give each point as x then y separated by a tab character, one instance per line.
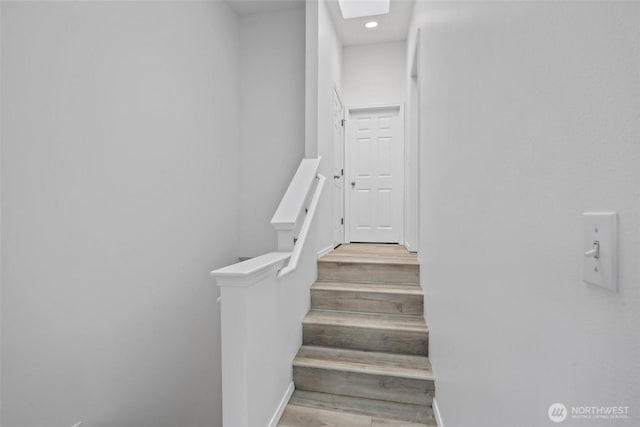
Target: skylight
360	8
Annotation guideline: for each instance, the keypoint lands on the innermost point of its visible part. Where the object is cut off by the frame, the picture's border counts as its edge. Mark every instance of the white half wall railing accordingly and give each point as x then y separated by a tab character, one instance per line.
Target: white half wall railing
263	301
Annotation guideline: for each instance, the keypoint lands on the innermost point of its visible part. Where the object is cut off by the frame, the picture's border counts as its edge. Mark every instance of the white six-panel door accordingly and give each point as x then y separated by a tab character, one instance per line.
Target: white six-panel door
375	159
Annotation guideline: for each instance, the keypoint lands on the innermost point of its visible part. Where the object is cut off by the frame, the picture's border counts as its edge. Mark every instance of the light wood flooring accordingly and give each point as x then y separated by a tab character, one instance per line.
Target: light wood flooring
380	253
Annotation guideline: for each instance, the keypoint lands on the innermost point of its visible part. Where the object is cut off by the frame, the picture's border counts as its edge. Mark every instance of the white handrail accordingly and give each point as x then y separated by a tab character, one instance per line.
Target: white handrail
289	215
302	237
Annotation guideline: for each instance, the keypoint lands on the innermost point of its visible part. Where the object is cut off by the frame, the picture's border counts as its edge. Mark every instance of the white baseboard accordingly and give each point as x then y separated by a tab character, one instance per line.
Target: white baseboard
283	404
324	251
436	413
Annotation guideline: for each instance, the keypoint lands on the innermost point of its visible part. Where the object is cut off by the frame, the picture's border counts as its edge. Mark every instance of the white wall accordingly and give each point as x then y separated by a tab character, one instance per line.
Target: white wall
324	50
1	133
119	194
311	78
272	111
374	74
412	154
529	117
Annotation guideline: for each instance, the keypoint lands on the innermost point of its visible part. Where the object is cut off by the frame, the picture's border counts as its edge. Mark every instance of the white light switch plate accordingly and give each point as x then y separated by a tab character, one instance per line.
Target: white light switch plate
601	227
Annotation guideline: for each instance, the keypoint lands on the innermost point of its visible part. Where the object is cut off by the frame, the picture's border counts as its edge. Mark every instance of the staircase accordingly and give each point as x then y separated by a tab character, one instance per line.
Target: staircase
364	360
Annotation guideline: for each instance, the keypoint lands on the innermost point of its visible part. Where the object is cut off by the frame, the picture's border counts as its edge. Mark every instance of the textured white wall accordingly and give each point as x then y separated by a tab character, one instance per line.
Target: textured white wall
272	111
119	194
529	117
374	74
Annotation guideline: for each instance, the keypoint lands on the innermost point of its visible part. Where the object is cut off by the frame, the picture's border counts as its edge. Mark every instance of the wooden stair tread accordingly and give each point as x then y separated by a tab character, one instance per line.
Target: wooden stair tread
366	320
305	416
365	362
302	416
335	268
356	259
404	299
371	253
421	415
382	422
384	288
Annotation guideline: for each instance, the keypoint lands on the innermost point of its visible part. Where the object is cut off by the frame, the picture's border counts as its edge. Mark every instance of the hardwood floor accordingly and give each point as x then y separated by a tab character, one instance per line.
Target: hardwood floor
364	359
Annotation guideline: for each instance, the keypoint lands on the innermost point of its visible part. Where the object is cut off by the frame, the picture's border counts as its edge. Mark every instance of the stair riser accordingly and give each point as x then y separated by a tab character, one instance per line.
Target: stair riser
367	302
394	389
368	273
357	338
357	405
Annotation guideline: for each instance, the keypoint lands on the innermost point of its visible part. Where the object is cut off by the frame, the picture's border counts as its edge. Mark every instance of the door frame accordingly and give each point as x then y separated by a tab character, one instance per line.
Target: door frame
347	198
342	215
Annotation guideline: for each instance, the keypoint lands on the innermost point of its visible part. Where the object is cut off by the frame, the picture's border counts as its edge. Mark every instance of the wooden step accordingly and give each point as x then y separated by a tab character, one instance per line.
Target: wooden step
419	414
304	416
379	252
366	331
371	375
300	416
367	271
368	297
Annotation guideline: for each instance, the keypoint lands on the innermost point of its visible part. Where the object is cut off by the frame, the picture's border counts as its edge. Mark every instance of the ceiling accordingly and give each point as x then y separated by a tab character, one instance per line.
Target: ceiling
247	7
392	27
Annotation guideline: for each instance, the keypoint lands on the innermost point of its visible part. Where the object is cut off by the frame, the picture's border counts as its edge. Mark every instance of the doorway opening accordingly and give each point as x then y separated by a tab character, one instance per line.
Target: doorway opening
374	170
